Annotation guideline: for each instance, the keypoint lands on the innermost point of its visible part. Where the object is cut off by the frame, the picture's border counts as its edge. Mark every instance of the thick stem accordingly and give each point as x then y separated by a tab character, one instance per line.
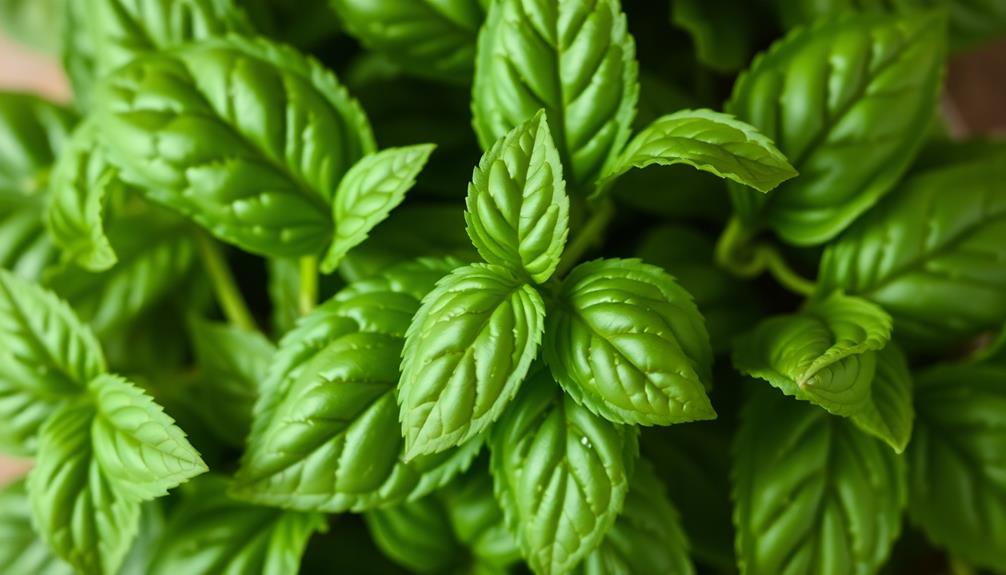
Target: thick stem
308	295
228	295
736	253
589	236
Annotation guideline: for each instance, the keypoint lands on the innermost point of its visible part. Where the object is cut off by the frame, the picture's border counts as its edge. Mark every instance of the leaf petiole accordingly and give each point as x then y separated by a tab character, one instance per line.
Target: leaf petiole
590	235
307	297
228	295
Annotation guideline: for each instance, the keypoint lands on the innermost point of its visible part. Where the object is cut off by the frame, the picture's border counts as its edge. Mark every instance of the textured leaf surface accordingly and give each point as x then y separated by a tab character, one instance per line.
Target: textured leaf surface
824	354
576	60
368	192
21	548
518	211
466	353
889	413
932	259
628	342
46	357
248	138
561	474
711	142
139	448
813	494
847	101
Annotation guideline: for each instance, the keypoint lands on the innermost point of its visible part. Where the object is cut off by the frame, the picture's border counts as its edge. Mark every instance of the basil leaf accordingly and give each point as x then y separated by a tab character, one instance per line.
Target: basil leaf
210	533
25	248
416	535
433	38
577	60
647	537
850	130
232	362
518	211
561	474
79	512
629	343
476	518
812	493
722	31
466	353
368	192
957	494
928	257
46	357
824	354
21	549
888	415
32	133
708	141
232	155
77	51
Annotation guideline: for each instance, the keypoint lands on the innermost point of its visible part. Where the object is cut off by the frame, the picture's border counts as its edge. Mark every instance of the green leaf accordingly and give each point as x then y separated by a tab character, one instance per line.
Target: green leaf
434	38
79	512
233	362
140	450
466	353
647	537
25	248
46	357
561	474
851	129
577	60
416	535
518	211
824	354
368	192
722	30
813	494
21	548
32	133
32	22
254	159
628	342
210	533
889	414
957	490
932	259
709	141
477	519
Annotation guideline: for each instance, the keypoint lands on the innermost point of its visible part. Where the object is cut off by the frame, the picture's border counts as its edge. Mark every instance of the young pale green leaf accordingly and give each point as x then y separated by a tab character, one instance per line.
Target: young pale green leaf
647	537
576	59
825	354
956	464
210	533
850	130
233	154
709	141
417	535
79	512
812	493
932	259
32	134
434	38
368	192
561	474
628	342
233	362
518	211
889	413
466	353
46	356
139	448
21	548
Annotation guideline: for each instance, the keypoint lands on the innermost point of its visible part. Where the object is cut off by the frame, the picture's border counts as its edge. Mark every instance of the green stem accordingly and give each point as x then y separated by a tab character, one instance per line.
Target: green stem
783	274
736	253
228	294
308	295
589	236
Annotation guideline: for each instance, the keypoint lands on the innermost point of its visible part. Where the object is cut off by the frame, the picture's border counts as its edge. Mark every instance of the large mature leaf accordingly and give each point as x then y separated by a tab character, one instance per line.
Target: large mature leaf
425	37
574	58
466	353
46	357
708	141
848	102
813	494
957	467
79	512
518	211
209	533
889	413
369	191
247	137
561	474
628	342
824	354
21	548
932	259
